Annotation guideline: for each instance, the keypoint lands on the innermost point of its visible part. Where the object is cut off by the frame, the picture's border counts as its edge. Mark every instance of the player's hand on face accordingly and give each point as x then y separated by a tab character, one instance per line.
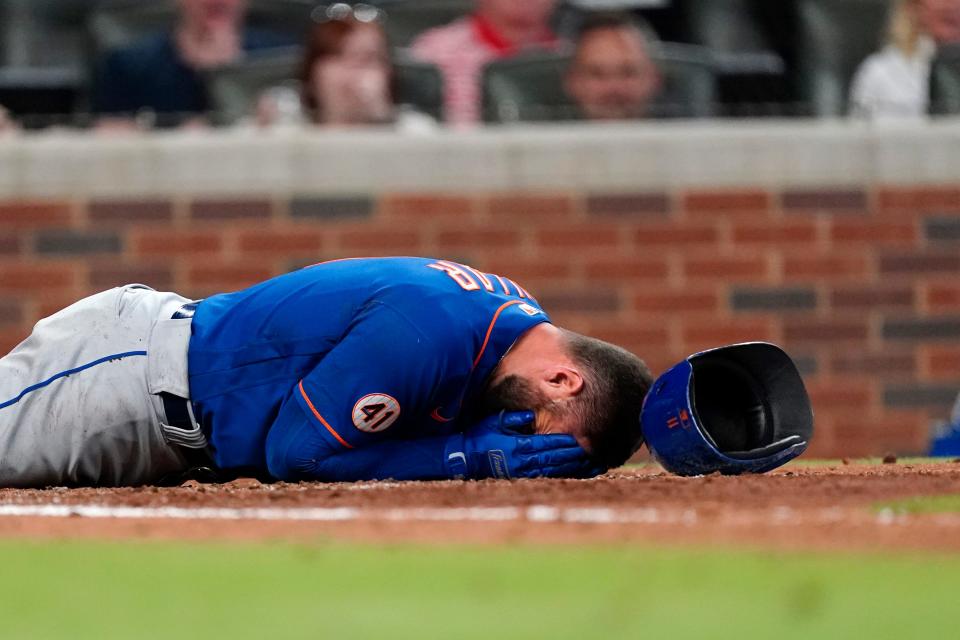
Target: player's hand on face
502	446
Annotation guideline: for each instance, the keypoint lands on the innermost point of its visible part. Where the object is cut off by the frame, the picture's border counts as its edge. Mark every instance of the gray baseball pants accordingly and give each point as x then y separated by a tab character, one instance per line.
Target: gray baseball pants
78	397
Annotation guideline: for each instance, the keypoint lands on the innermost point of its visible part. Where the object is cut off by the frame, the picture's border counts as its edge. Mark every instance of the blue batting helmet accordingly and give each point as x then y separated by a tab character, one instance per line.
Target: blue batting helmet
735	409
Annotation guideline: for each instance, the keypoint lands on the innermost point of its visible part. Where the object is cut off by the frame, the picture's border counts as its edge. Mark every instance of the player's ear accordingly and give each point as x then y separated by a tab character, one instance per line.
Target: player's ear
563	381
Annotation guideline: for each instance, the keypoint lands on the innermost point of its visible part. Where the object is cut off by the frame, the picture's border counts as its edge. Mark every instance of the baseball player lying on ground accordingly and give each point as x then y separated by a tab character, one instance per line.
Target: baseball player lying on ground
358	369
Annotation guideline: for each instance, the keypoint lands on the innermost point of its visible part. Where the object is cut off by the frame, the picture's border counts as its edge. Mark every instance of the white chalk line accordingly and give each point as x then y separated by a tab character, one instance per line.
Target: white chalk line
539	513
777	516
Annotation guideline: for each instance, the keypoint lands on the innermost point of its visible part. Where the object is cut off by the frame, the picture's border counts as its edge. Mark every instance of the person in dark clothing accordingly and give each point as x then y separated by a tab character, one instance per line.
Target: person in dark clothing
162	75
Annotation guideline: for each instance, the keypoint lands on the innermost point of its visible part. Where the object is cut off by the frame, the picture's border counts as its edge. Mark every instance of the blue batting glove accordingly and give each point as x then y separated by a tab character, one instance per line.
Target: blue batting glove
495	448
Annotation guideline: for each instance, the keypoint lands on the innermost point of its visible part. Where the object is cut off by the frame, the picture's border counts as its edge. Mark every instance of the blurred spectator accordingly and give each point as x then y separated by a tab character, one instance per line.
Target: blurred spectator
895	82
162	74
941	19
347	77
7	123
612	76
496	29
946	439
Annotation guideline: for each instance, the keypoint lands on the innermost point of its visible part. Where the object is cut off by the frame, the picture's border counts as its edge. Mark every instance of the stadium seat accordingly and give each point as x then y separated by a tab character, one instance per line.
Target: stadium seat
736	34
750	67
724	25
834	37
420	84
406	19
39	82
8	34
234	89
530	88
945	82
526	88
28	27
689	82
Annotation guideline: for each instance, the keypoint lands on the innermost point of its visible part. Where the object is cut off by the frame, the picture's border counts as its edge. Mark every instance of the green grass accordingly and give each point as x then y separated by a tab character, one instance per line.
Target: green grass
176	591
924	504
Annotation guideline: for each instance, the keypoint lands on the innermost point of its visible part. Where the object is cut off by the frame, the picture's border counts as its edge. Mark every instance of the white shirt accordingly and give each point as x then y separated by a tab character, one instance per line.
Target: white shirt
890	84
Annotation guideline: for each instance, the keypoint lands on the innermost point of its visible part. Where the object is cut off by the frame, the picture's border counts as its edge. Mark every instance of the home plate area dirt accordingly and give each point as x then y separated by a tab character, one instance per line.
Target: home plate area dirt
803	507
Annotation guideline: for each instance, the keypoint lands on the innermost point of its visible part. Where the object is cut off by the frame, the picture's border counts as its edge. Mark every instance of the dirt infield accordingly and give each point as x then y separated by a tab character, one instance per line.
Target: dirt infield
801	507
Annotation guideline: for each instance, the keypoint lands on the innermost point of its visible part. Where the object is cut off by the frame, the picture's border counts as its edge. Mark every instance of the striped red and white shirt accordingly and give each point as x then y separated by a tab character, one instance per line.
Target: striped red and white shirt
461	49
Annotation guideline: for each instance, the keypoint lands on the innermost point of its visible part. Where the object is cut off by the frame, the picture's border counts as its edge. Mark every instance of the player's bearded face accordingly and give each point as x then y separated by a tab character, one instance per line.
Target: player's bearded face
513	393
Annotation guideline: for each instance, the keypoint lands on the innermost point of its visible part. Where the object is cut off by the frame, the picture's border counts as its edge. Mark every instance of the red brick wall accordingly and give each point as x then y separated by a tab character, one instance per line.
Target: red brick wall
862	286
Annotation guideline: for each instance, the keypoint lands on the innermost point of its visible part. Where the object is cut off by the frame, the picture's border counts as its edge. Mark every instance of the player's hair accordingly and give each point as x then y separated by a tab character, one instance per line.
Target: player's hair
615	382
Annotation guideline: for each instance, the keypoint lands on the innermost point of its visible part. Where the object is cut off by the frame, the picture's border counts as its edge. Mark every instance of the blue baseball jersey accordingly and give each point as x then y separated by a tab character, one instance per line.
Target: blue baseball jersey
361	350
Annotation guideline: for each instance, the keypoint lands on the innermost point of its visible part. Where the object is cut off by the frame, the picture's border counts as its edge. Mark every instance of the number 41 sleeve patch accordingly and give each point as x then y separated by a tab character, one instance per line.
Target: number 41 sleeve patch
375	412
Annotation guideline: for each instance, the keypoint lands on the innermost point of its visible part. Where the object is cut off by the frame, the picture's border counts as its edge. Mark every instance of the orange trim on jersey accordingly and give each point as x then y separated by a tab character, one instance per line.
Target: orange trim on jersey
320	418
435	414
503	284
486	339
